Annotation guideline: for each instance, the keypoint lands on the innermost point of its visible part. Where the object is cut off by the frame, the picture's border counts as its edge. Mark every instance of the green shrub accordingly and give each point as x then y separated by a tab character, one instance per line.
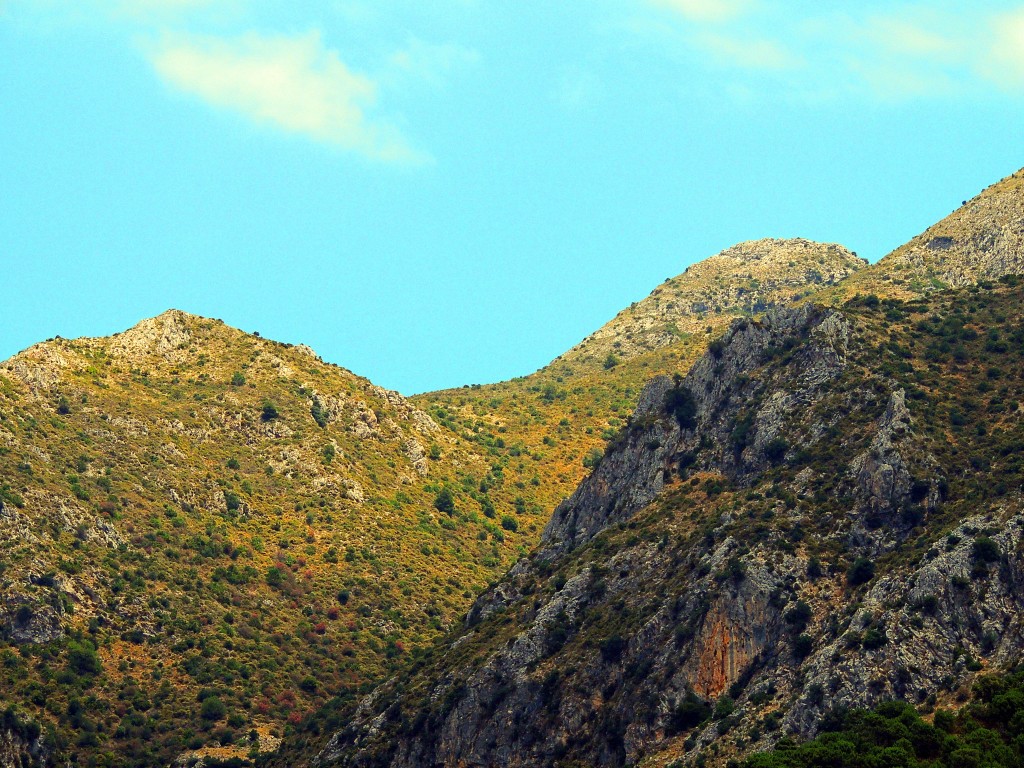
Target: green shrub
874	638
775	450
83	659
724	707
680	403
444	501
799	616
212	709
802	646
984	550
689	713
275	576
860	572
318	413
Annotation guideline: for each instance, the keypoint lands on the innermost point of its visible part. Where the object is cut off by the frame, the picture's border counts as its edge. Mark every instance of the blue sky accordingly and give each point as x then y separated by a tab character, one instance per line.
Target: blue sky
435	194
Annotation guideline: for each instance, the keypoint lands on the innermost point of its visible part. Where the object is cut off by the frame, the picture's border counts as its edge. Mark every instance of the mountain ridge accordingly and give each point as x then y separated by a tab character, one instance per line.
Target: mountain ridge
498	718
192	512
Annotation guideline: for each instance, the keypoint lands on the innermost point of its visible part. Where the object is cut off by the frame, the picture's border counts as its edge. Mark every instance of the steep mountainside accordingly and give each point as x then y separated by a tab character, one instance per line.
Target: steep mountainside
208	534
743	280
981	240
826	510
563	414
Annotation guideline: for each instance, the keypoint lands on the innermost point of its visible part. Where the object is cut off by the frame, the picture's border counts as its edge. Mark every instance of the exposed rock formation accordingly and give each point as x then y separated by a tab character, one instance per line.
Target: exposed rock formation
712	563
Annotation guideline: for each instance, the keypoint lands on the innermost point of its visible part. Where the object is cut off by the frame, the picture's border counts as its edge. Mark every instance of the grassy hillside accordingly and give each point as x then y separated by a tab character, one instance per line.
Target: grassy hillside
208	534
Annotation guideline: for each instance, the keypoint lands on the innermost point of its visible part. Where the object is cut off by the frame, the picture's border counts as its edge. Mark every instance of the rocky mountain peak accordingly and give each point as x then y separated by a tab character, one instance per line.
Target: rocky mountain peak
983	239
167	335
743	280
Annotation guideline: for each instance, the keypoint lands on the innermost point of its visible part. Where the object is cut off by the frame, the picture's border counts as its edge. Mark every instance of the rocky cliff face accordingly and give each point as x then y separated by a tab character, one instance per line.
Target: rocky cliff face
22	743
769	537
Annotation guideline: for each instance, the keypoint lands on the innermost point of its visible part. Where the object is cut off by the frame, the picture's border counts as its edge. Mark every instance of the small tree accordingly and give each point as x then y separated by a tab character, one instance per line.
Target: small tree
984	550
212	709
444	501
269	412
275	576
83	659
237	379
861	572
593	458
318	413
679	402
232	501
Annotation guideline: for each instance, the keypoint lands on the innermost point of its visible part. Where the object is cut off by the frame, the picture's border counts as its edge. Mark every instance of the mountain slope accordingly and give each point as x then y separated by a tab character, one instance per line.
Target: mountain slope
563	414
743	280
981	240
190	513
826	510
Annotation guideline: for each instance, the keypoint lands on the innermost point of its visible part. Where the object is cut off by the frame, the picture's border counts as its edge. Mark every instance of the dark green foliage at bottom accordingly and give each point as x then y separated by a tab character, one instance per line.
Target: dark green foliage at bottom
987	733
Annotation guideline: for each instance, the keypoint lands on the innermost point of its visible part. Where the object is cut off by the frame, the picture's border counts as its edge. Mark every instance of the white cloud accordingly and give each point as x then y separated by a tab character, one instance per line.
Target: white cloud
1003	62
292	83
749	53
707	10
887	52
431	62
909	36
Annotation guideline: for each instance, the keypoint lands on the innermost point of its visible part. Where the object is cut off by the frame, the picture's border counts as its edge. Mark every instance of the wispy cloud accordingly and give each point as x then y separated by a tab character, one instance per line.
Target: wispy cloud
1004	62
431	62
706	10
294	84
747	53
887	52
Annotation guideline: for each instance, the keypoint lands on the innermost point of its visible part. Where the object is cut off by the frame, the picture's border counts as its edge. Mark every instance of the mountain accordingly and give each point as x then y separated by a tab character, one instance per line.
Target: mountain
195	514
208	535
981	240
826	510
822	512
563	414
743	280
216	541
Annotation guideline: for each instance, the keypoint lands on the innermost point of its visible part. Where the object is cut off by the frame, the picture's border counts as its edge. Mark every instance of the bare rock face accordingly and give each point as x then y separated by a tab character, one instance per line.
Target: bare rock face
39	367
166	336
25	622
723	628
21	744
708	403
983	239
